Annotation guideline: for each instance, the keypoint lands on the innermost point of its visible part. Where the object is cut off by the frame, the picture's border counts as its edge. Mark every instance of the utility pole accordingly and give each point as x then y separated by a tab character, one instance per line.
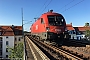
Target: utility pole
22	23
23	35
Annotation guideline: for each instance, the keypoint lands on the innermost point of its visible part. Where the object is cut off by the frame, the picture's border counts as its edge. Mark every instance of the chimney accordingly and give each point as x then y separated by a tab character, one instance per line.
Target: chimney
12	26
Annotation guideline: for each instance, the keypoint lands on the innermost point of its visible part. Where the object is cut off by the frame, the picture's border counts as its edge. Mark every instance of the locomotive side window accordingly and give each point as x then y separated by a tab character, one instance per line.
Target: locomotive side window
42	21
51	20
56	20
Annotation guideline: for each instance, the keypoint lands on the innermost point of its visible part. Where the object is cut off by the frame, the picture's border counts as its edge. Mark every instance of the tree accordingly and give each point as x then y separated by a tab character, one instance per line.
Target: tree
86	24
17	51
87	32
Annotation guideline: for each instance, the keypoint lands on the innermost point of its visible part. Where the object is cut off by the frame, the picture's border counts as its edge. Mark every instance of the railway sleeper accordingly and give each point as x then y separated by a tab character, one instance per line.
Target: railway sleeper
61	55
77	53
50	53
54	49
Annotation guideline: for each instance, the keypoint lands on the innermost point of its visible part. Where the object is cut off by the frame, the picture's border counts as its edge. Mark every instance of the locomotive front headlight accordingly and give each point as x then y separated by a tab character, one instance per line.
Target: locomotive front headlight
47	29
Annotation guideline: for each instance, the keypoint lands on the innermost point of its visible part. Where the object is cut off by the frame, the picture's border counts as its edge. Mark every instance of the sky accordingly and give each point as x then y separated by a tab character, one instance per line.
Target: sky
75	11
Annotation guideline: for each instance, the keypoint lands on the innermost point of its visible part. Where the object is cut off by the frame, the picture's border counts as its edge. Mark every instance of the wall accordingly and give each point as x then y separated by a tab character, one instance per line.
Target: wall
10	40
17	39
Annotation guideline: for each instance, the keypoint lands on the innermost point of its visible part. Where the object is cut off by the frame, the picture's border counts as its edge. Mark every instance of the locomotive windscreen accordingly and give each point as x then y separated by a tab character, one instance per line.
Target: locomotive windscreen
56	20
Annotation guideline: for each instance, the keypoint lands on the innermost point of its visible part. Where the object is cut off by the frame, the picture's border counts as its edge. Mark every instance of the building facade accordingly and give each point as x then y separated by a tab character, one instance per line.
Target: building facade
81	32
71	31
8	34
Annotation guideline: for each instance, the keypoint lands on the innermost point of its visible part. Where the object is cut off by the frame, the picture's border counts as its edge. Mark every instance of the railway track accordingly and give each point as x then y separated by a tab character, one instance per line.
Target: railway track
64	52
34	53
77	52
59	53
29	55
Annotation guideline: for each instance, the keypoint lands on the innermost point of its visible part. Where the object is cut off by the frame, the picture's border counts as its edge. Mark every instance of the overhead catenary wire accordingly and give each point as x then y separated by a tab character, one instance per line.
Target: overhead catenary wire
41	7
66	5
73	5
47	5
27	29
27	22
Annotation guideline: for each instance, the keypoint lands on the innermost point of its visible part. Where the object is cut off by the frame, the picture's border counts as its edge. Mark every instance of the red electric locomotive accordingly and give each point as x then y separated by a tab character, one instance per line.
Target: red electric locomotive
50	26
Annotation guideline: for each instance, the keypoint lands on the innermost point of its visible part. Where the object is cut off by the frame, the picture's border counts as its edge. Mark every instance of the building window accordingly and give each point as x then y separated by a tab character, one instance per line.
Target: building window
6	49
15	39
0	45
42	21
16	32
15	44
0	53
19	39
7	43
6	56
6	36
0	38
0	33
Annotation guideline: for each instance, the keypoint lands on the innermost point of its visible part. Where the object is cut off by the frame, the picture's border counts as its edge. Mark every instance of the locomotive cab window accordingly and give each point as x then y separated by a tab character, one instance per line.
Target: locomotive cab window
51	20
56	20
42	21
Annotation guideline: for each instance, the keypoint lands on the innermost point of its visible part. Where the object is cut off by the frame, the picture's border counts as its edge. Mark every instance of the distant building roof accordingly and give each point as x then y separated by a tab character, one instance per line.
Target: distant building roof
69	26
10	31
82	28
5	28
17	30
6	31
18	27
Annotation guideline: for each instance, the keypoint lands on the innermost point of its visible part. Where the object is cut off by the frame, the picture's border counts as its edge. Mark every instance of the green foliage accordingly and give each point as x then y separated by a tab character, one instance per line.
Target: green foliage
87	33
17	51
86	24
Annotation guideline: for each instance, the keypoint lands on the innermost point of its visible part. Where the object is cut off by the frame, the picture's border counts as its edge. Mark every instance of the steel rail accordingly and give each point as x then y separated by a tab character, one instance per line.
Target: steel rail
43	56
57	50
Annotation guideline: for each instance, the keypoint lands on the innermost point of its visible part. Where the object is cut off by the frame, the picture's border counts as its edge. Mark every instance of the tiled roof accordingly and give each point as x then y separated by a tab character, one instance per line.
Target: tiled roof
69	27
18	27
6	31
9	31
83	28
6	28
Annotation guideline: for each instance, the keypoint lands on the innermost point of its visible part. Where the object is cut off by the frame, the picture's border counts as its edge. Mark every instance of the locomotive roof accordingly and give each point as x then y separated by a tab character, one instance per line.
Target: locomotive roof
51	13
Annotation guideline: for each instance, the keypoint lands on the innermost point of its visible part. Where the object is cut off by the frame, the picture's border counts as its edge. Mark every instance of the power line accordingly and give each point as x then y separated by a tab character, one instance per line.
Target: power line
47	5
66	4
42	6
73	5
27	22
